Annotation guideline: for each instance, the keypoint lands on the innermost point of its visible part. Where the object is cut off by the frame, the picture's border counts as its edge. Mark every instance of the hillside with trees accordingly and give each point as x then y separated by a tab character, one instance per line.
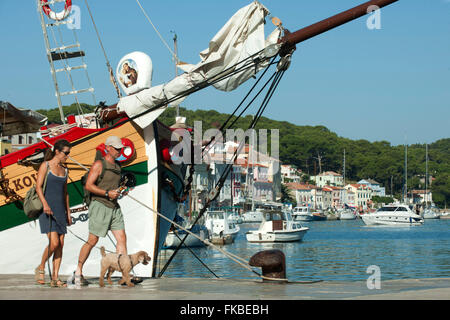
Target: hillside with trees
302	146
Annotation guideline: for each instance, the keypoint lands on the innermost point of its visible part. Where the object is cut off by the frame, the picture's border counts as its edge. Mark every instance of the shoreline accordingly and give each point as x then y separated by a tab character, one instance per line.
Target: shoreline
22	287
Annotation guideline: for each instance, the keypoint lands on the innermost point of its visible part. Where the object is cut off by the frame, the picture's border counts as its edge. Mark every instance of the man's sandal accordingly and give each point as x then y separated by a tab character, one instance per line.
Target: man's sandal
39	276
57	284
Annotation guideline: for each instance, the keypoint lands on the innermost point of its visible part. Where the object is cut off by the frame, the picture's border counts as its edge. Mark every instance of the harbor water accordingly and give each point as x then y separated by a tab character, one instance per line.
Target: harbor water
332	251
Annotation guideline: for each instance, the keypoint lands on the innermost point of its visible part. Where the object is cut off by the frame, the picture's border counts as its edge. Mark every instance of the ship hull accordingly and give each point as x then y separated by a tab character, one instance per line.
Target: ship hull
22	244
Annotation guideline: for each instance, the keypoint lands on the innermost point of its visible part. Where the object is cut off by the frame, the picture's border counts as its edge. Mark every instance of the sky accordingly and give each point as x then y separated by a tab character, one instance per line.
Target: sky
389	84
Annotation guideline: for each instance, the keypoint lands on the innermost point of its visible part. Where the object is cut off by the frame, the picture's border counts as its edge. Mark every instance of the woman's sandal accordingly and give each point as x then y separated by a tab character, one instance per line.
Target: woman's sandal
39	276
58	284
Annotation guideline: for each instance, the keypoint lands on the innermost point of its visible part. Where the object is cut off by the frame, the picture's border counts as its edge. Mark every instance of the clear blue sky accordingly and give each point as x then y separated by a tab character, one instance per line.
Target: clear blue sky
376	85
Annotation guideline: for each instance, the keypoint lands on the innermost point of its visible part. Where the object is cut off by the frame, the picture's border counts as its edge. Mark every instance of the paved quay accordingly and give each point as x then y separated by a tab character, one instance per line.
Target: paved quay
22	287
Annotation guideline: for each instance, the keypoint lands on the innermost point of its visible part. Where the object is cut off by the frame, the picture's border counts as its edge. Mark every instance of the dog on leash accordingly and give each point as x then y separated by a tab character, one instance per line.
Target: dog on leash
124	263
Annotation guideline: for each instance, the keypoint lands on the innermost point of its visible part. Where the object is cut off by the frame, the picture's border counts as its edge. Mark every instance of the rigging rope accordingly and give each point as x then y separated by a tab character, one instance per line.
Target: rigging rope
158	33
110	70
276	80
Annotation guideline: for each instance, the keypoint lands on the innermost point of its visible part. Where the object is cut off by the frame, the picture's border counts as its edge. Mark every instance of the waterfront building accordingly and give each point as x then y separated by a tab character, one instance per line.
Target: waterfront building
301	193
350	198
202	183
290	174
338	196
363	194
376	187
317	198
421	196
328	178
327	197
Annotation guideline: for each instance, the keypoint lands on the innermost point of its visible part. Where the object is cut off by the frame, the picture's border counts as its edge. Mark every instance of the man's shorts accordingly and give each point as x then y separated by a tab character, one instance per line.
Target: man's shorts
103	218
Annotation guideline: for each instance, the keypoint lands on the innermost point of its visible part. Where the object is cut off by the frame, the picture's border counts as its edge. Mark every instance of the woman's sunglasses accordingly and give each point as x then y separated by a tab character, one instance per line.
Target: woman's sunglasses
66	152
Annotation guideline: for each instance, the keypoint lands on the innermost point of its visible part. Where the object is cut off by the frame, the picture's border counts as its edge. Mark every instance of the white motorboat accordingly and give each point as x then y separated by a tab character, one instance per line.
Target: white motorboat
393	215
302	214
431	213
347	214
221	229
253	216
277	226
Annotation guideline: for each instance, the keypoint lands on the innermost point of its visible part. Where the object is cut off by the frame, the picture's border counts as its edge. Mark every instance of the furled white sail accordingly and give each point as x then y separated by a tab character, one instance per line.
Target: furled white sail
241	37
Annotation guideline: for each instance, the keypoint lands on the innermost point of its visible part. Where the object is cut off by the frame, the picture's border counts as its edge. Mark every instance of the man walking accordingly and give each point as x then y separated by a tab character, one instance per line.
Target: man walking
104	210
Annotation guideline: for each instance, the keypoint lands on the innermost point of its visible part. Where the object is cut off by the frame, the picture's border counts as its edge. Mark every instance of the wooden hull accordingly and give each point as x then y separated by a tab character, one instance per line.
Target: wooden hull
21	243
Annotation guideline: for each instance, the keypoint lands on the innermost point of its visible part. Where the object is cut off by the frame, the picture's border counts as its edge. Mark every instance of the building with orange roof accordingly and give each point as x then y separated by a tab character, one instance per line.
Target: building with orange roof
363	194
328	178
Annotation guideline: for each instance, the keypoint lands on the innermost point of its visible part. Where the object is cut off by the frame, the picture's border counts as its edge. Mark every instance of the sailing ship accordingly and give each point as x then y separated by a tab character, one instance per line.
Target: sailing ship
236	54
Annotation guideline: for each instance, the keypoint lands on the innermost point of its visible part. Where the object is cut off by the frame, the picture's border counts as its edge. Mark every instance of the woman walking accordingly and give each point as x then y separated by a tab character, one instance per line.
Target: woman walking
56	214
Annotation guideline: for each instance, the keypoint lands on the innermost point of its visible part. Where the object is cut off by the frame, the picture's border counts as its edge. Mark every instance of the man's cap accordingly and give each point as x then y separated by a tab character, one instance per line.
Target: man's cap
114	142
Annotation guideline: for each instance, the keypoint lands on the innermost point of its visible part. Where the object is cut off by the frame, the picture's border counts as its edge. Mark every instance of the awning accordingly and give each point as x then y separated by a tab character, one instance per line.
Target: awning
17	121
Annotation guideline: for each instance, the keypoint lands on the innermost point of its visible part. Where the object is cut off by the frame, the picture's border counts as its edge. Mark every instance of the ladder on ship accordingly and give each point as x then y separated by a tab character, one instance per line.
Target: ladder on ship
64	58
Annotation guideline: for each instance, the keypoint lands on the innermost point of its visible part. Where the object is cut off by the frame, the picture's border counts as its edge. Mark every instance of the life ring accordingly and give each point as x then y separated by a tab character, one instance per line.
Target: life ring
126	154
60	15
166	151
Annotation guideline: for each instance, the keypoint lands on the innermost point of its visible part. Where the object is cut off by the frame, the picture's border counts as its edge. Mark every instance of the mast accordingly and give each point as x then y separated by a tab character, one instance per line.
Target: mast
50	60
405	195
175	47
426	176
344	167
315	29
345	193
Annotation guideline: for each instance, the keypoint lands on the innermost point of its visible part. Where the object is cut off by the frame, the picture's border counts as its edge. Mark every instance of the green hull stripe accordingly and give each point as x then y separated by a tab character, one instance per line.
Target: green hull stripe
12	215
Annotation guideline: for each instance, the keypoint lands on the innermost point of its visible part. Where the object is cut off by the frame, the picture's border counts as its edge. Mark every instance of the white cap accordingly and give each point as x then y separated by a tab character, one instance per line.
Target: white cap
114	142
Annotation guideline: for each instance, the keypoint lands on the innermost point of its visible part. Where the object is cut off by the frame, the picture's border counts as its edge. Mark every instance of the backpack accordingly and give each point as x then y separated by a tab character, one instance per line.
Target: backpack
32	205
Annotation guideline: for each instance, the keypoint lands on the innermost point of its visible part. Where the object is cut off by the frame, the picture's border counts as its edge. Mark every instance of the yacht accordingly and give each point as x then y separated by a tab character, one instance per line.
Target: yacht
393	215
277	226
302	214
221	229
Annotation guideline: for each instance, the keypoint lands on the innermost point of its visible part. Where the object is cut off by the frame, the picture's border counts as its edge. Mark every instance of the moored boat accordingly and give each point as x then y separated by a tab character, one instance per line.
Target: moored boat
302	214
145	226
319	216
221	229
431	213
347	214
393	215
277	226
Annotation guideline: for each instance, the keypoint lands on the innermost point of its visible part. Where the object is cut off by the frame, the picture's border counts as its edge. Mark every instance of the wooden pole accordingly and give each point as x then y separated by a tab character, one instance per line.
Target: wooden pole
333	22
